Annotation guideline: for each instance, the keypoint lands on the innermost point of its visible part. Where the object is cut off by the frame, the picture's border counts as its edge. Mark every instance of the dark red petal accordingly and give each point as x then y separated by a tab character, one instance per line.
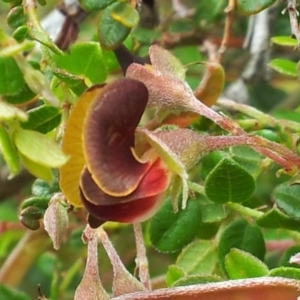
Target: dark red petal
108	137
129	212
155	181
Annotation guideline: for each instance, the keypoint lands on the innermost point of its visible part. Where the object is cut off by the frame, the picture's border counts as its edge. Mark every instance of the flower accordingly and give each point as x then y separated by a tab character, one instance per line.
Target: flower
115	177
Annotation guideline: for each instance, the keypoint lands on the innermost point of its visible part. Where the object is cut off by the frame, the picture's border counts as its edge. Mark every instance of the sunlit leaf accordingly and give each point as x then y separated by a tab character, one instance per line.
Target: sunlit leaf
39	148
287	272
36	169
9	152
241	264
199	257
84	59
173	274
284	66
284	41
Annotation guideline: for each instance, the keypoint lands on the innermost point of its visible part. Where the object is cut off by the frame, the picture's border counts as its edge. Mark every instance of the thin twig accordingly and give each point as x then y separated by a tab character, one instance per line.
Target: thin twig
293	14
228	22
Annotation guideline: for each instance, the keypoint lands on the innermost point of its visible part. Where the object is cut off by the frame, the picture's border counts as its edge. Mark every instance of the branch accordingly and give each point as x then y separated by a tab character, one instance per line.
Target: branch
293	14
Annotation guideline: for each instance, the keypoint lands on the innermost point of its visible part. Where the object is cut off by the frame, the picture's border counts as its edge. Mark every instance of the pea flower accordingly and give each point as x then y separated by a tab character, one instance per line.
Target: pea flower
114	176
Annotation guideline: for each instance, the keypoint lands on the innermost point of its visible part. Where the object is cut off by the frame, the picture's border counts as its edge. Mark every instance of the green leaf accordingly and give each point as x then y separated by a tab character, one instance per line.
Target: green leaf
212	212
170	231
241	235
247	158
9	112
173	274
287	115
274	218
125	14
250	7
7	292
75	83
234	183
21	33
39	148
11	78
9	152
286	272
286	256
284	66
197	279
43	118
16	17
199	257
287	198
284	41
240	264
208	230
93	5
209	161
36	201
22	96
30	217
37	169
83	59
41	188
268	134
111	31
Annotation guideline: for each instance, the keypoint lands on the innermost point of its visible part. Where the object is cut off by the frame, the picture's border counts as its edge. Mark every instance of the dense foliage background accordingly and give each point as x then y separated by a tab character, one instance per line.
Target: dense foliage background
243	216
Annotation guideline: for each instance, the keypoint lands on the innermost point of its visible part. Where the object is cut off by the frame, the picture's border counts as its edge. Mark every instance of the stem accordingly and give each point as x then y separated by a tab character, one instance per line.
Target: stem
41	35
32	244
228	22
262	118
246	211
196	187
141	256
259	144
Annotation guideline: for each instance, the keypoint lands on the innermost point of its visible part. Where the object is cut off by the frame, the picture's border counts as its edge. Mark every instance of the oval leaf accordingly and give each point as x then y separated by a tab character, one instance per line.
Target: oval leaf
234	183
43	118
39	148
199	257
240	234
284	66
111	32
11	78
286	197
240	264
284	41
9	152
169	231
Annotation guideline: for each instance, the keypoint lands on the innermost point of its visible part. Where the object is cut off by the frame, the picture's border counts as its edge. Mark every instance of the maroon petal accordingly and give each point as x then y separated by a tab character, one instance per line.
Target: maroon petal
128	212
156	180
108	137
